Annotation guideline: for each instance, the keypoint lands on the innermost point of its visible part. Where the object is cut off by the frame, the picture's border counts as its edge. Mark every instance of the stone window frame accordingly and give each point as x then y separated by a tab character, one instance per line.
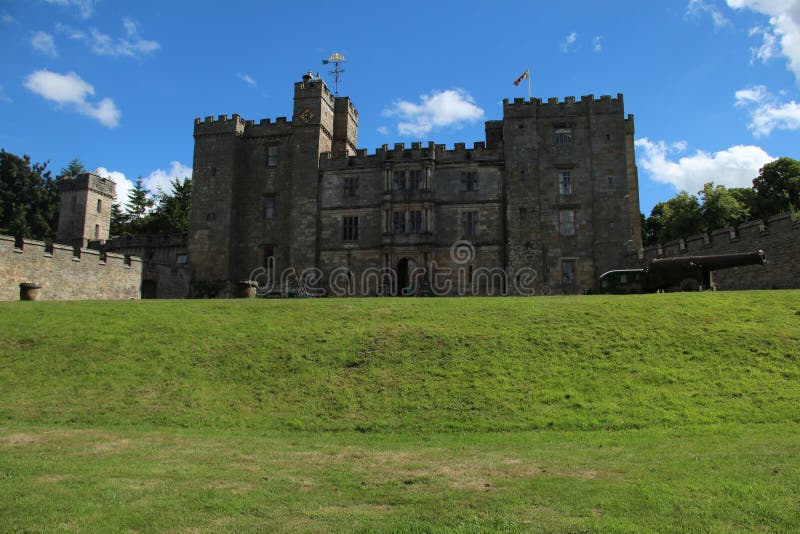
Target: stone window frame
399	181
271	155
469	221
350	186
469	181
565	182
523	213
563	135
415	180
350	228
566	222
415	225
398	222
99	205
269	207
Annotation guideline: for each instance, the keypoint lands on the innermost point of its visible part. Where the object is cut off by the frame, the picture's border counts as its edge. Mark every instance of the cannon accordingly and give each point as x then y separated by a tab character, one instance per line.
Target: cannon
685	273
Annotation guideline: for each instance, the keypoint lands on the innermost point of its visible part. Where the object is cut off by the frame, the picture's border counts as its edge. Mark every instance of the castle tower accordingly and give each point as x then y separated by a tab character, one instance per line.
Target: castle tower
85	209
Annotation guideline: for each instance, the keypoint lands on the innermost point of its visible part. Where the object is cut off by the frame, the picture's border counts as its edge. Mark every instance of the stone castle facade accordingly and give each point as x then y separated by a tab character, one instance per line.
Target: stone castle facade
553	191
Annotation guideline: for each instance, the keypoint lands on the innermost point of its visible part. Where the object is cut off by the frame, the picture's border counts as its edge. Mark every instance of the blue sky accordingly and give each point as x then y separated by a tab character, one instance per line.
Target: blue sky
713	83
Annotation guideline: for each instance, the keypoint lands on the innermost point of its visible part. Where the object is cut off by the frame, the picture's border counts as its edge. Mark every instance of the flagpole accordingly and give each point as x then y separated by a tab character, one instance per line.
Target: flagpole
529	83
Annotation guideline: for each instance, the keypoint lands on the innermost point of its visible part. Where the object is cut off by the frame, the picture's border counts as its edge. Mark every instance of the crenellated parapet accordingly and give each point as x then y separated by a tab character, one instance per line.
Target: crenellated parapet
399	153
88	181
521	107
239	126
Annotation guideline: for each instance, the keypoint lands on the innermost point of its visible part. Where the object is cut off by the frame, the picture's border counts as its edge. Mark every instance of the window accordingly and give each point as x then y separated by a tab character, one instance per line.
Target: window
415	180
567	222
399	222
415	222
469	181
563	136
99	205
350	228
523	214
97	231
568	272
272	156
399	181
469	224
565	183
269	208
211	216
610	180
351	186
182	259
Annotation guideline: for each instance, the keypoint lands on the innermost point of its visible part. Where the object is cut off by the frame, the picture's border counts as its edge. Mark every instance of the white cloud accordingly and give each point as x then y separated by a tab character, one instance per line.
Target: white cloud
698	8
767	113
5	18
569	40
85	7
383	130
437	109
102	44
246	78
157	178
769	44
43	42
70	90
784	19
597	46
732	167
3	97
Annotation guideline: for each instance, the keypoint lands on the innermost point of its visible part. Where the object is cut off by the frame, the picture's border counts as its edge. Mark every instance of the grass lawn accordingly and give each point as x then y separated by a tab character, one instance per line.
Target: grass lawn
624	413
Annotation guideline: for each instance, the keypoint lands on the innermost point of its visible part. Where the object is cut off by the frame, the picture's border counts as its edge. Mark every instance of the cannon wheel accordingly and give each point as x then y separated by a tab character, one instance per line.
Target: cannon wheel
690	284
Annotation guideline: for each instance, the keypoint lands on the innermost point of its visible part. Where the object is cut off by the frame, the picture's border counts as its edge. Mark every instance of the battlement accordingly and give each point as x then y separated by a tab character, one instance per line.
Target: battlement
351	108
89	181
312	87
417	152
239	126
66	273
520	107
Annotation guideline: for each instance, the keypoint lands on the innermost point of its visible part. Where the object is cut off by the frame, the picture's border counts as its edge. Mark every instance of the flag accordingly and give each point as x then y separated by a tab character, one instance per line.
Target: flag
519	80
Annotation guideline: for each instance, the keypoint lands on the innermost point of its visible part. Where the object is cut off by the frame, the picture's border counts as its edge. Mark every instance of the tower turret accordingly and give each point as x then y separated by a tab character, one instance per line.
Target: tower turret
85	209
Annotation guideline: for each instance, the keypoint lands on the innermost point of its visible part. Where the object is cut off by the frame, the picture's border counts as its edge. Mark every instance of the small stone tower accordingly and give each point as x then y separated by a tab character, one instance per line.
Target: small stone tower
85	209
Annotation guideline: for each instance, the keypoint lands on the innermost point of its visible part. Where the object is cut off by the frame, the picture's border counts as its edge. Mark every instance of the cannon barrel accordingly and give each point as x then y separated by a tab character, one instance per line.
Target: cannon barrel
707	263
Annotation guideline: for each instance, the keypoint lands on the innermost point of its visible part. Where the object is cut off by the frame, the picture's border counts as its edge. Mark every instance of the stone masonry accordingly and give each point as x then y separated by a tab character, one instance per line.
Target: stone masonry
553	190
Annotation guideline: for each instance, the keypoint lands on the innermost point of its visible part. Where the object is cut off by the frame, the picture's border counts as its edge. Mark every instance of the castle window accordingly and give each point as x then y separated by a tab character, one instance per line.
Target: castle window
415	180
182	259
563	136
350	228
469	181
351	186
399	181
99	205
567	222
469	224
272	156
97	231
399	222
211	216
523	214
415	222
610	180
568	272
564	183
269	208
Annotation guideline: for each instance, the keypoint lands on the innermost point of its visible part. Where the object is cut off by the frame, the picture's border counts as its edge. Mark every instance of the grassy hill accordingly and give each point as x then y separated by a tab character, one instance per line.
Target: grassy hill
516	413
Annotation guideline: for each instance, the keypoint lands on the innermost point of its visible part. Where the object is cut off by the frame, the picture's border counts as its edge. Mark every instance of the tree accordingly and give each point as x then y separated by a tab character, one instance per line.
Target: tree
119	221
138	206
777	187
172	213
721	208
74	168
679	216
28	198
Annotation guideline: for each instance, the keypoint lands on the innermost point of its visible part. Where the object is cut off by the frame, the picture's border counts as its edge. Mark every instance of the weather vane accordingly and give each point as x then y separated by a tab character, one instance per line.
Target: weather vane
337	59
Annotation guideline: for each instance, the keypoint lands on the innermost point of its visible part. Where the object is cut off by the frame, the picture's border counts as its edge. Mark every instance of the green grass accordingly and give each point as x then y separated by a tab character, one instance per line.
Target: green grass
668	412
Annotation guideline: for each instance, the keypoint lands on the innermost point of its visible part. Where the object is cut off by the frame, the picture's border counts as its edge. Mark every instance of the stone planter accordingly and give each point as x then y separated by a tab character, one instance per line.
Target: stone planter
246	289
29	291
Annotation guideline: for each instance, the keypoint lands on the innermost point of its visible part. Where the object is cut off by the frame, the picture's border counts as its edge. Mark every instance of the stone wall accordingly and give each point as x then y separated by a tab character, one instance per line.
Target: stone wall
65	275
778	237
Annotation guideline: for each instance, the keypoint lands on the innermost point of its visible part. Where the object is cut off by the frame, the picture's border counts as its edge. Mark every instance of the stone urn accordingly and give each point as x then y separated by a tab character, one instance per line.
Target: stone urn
246	289
29	291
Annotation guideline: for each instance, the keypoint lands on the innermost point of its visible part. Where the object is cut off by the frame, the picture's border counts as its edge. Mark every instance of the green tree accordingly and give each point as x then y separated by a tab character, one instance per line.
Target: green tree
74	168
28	198
721	208
777	186
138	207
172	213
119	221
678	217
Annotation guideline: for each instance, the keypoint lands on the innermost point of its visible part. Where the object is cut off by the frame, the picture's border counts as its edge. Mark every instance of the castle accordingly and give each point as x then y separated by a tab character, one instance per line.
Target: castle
552	191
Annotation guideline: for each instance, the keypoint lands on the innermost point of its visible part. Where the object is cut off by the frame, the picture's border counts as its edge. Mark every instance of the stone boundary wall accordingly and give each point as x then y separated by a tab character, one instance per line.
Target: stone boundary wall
778	237
65	275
